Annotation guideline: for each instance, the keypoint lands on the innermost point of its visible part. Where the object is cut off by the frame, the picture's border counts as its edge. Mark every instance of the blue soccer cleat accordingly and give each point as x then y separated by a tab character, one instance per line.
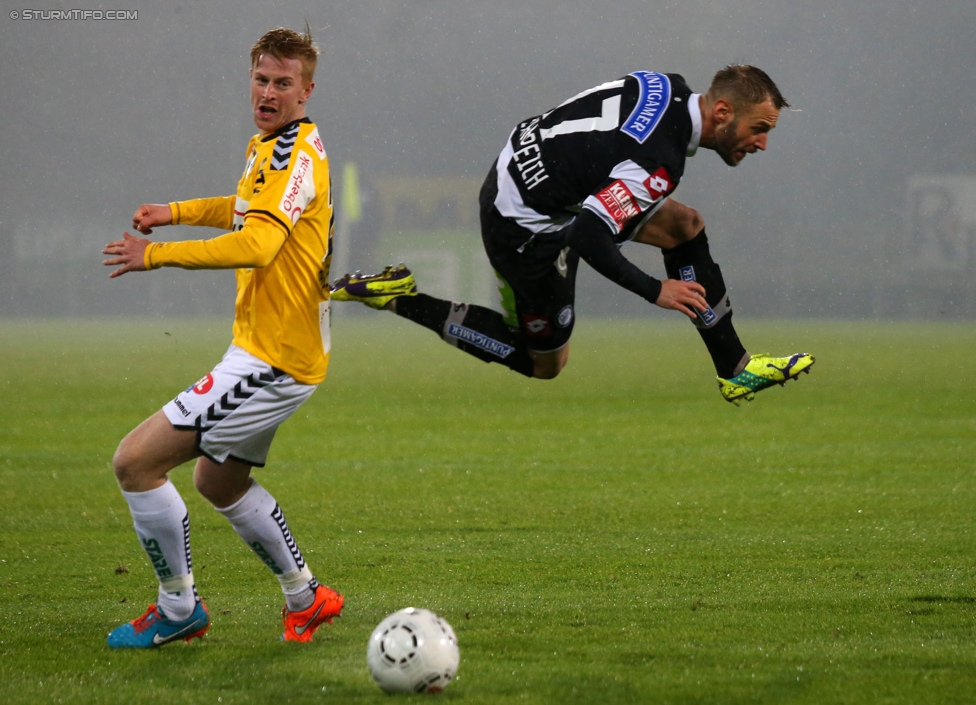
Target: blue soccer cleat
154	629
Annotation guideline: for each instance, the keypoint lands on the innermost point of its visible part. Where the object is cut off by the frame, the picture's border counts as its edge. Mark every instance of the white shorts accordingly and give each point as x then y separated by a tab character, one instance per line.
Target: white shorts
237	408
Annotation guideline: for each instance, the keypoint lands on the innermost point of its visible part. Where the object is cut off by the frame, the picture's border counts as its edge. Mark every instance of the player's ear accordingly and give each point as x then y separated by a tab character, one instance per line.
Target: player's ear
307	91
722	112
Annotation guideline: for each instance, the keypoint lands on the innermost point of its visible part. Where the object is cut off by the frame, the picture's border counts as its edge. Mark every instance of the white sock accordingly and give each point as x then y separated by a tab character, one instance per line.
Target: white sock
258	519
163	527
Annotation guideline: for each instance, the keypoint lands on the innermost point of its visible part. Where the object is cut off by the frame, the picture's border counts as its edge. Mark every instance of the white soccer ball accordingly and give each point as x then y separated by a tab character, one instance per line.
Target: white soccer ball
413	651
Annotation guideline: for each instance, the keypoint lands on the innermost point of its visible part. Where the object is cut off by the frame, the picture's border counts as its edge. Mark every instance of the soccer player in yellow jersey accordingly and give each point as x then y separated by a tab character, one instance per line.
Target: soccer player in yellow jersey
279	243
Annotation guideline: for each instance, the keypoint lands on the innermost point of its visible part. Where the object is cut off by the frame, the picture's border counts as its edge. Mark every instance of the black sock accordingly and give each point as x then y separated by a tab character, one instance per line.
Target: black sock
724	346
692	261
476	330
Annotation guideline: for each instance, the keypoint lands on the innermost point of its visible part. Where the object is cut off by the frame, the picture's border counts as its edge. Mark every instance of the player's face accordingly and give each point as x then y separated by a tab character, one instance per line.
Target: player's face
278	92
745	133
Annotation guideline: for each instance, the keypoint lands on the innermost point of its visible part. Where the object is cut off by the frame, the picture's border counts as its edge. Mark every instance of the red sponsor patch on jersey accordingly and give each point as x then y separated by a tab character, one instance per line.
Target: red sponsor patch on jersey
204	385
536	325
659	184
619	202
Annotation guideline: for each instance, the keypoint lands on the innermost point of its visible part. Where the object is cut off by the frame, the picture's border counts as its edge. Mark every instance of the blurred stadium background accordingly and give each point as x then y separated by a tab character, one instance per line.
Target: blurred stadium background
863	207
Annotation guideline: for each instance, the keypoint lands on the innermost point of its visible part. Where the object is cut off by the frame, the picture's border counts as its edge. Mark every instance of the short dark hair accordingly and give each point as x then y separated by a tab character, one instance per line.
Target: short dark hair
745	85
283	43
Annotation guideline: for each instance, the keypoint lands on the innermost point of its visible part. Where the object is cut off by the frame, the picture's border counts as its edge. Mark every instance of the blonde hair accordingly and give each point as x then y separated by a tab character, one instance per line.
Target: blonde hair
283	43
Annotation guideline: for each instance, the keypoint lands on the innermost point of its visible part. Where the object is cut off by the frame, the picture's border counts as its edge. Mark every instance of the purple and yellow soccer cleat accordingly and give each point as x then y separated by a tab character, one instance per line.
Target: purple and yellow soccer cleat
375	290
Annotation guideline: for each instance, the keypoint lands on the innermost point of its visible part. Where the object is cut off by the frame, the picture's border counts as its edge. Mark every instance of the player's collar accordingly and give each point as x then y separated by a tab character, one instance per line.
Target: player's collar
283	129
694	111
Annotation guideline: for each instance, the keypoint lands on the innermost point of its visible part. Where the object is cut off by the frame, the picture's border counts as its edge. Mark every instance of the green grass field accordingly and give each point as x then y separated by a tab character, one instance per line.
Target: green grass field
617	535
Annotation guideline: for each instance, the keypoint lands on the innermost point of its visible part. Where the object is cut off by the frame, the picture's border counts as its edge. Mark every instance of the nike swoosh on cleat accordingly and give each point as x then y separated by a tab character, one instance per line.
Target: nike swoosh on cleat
159	640
300	628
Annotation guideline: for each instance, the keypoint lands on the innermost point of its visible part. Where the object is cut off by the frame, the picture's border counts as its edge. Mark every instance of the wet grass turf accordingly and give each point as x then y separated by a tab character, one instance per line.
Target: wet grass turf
619	534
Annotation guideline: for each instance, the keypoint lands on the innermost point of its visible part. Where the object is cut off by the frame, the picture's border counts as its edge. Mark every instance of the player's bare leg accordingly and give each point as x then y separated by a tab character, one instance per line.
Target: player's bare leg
142	463
673	224
147	454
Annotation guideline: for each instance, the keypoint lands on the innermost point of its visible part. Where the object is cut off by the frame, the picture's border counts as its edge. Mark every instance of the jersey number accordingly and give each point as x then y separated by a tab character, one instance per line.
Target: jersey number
608	120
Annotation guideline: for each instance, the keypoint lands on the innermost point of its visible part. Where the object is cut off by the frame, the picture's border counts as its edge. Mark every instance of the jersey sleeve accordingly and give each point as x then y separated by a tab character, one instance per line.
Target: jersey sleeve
255	245
590	236
630	192
215	212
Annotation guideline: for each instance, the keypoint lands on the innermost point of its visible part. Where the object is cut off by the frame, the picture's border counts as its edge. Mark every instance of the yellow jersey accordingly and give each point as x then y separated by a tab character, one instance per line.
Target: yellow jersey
281	224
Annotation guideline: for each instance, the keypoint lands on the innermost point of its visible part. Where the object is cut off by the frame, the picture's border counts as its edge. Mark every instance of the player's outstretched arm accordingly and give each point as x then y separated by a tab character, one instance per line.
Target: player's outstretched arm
686	297
128	254
149	215
591	238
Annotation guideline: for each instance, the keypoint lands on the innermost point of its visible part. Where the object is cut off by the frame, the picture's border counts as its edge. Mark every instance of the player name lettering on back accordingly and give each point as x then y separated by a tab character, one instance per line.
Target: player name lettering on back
528	158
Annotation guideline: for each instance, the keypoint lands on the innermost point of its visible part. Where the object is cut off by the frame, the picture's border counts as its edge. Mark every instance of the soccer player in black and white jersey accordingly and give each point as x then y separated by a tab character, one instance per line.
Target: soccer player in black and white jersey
577	182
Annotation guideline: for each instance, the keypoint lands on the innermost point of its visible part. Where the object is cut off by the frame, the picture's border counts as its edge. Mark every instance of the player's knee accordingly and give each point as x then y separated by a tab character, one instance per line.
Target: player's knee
549	365
688	224
213	492
201	484
127	467
221	485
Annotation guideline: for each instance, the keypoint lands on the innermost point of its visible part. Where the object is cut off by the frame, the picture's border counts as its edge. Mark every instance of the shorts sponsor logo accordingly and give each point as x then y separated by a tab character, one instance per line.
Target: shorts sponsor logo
203	386
659	184
565	317
687	274
618	202
480	340
655	94
536	325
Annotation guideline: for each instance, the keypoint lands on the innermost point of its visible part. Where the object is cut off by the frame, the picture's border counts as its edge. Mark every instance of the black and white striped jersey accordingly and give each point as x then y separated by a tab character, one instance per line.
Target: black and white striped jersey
617	150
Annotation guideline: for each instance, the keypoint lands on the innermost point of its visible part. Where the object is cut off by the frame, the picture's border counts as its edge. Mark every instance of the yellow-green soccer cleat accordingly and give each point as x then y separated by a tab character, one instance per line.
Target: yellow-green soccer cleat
375	290
763	371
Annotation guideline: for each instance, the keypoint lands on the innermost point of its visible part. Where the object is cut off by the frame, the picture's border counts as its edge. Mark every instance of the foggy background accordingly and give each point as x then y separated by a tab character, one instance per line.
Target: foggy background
864	204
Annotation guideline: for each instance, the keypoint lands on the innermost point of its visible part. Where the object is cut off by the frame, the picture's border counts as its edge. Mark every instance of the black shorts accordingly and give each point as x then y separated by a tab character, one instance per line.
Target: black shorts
540	274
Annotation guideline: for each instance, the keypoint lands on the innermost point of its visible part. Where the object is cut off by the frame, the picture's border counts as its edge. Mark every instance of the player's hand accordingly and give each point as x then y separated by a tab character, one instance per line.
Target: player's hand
149	215
686	297
128	254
